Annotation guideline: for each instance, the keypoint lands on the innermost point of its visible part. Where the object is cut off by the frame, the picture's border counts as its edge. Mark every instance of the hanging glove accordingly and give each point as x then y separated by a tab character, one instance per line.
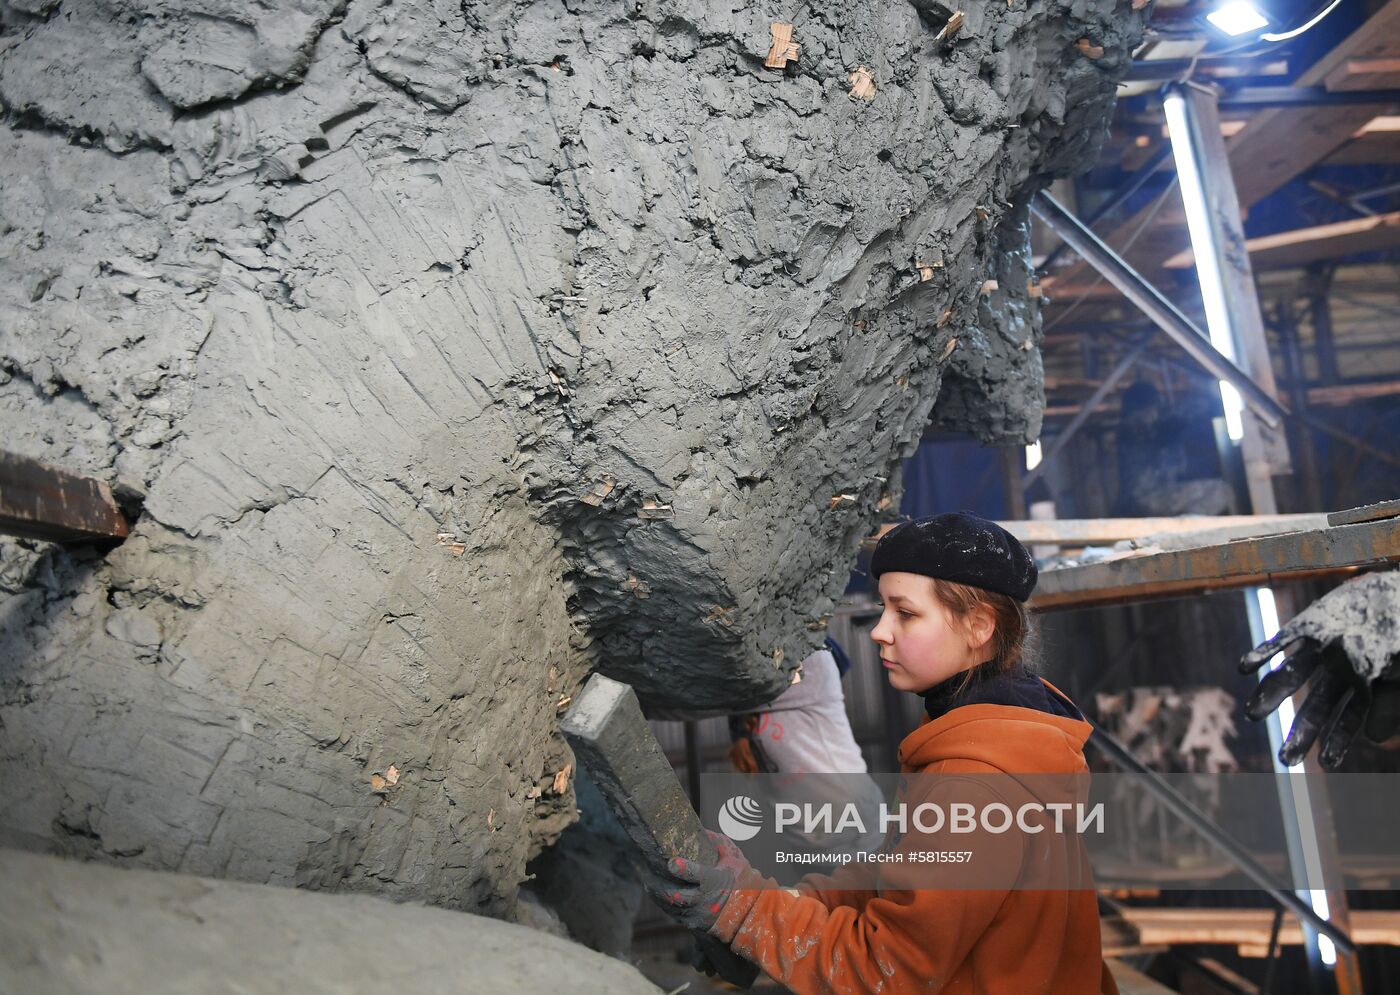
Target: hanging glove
695	893
1348	643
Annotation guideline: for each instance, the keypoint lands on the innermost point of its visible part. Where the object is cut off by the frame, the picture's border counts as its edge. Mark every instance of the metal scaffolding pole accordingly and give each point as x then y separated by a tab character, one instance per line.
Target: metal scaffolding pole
1120	197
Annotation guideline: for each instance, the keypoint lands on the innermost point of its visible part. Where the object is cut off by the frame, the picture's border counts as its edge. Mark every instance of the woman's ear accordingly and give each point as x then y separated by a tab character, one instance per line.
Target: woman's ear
981	623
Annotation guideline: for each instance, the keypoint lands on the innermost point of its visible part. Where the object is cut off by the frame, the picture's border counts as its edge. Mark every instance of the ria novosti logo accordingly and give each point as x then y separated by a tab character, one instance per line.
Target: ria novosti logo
741	818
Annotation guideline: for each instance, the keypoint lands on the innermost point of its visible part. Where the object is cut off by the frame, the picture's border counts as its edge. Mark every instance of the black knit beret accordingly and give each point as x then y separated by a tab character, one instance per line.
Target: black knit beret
960	547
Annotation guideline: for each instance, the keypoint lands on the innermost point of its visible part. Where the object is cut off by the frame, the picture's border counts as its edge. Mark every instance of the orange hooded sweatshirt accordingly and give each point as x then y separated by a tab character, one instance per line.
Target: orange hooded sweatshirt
820	938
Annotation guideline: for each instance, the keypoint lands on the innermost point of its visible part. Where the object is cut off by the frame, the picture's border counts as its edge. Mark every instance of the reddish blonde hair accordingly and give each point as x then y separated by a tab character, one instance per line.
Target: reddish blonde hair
1012	623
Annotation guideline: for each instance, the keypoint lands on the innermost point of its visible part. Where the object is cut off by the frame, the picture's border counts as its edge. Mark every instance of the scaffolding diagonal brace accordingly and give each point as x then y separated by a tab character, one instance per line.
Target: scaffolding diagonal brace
1164	314
1221	840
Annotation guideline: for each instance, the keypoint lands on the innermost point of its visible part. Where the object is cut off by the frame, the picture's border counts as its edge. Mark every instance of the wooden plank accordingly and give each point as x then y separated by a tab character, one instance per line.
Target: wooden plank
1101	531
1071	383
1369	148
1243	563
38	501
1056	291
1385	124
1137	593
1342	394
1249	928
1301	246
1365	74
1070	410
1265	445
1349	393
608	734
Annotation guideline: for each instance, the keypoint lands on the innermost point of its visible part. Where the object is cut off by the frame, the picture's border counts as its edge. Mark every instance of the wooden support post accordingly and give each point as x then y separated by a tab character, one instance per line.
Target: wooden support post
1265	447
38	501
1307	446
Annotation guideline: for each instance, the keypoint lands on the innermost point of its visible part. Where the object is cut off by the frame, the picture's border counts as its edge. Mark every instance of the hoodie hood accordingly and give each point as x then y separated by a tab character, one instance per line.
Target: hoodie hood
1008	738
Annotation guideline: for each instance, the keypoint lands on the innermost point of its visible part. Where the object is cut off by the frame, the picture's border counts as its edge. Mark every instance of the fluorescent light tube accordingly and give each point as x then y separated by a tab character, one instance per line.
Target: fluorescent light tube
1206	253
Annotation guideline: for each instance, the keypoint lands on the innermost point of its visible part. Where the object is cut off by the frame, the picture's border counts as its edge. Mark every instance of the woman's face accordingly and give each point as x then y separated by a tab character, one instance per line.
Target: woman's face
921	642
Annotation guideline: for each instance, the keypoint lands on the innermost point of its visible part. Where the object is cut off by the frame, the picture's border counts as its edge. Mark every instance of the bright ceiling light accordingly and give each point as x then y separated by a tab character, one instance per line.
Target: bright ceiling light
1238	17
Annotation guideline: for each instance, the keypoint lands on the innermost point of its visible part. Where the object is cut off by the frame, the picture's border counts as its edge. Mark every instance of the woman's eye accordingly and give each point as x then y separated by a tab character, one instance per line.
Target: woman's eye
906	613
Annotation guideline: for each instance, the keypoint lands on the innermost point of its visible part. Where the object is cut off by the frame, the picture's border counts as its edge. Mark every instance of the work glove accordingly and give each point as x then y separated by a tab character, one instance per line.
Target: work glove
695	893
1348	643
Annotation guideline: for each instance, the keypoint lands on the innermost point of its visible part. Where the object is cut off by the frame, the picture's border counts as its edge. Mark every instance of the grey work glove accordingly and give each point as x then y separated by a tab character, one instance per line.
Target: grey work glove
1348	643
695	893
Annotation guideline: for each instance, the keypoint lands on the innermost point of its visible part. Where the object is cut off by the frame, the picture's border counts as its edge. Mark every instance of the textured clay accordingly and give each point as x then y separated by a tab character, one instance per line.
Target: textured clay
453	350
82	928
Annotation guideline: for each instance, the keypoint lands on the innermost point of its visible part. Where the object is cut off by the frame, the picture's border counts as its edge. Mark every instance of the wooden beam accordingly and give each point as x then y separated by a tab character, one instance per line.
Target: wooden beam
1070	383
1070	410
1365	74
1243	563
1374	143
1309	245
1248	928
38	501
1103	531
1385	124
1056	291
1279	144
1337	396
1344	394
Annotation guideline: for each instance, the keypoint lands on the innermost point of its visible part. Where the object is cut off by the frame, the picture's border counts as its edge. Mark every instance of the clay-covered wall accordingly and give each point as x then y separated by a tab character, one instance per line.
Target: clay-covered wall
450	350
